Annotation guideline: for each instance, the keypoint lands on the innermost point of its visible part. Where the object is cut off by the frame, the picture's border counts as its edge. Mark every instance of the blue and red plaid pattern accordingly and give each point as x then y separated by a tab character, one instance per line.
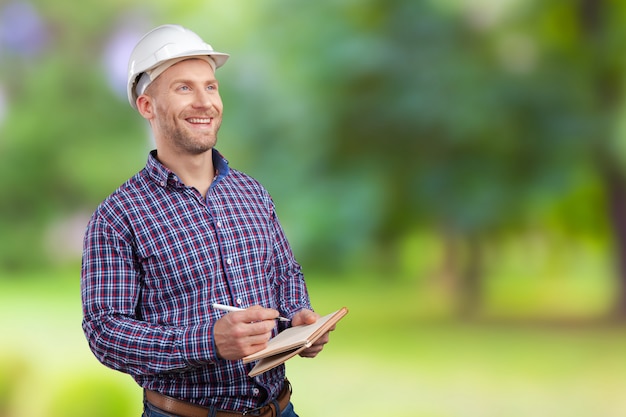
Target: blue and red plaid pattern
157	255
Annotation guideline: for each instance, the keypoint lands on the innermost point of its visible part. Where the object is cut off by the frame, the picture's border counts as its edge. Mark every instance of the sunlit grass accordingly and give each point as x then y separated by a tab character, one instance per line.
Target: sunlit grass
385	358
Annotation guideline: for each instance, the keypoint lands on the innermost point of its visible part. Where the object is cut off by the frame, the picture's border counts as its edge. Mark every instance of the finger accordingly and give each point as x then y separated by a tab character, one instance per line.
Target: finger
322	340
258	313
244	330
235	342
304	316
260	328
311	352
257	342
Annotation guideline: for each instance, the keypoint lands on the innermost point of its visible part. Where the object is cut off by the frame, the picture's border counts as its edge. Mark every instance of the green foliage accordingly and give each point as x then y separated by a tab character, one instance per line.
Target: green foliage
407	116
83	395
12	376
61	151
366	120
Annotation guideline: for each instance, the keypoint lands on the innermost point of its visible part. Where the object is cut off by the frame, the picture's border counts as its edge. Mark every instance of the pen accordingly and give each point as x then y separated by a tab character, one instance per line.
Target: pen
231	308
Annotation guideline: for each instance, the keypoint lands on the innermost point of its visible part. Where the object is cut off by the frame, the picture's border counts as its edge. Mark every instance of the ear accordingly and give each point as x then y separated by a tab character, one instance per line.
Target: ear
145	106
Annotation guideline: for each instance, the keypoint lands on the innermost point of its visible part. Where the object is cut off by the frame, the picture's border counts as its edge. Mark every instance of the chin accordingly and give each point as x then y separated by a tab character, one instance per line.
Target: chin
198	148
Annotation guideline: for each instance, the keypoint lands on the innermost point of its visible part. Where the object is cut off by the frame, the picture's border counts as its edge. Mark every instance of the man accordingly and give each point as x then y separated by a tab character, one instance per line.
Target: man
185	232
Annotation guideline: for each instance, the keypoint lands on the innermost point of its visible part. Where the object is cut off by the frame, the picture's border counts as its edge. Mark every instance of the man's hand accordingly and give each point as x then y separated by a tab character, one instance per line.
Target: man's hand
243	333
310	317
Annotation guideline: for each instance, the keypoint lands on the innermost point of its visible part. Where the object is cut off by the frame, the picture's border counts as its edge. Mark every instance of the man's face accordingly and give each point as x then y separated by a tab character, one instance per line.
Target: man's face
185	107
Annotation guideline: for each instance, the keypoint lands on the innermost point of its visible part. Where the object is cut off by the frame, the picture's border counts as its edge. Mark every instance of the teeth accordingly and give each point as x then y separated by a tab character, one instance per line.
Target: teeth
196	120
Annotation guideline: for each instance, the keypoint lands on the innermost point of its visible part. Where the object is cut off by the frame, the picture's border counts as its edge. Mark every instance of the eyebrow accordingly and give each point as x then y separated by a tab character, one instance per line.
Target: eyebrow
190	81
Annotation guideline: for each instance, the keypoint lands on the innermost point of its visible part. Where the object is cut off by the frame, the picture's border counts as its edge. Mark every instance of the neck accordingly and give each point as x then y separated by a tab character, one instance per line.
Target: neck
193	170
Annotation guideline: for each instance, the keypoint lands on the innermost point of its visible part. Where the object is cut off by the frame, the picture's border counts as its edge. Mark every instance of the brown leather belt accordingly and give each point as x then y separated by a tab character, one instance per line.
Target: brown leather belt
186	409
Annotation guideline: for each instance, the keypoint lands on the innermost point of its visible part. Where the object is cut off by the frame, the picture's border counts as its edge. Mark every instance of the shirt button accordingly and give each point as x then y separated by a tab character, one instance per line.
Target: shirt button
255	391
229	261
239	301
219	224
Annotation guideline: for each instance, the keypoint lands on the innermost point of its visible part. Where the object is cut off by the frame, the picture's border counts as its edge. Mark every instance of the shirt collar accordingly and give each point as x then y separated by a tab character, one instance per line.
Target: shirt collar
162	175
221	166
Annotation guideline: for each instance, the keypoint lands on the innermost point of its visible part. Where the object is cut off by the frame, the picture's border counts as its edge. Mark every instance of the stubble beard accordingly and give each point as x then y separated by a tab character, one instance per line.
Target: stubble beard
189	143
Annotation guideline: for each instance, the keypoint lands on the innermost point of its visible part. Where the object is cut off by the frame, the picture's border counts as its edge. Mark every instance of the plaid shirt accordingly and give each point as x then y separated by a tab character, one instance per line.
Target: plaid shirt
156	255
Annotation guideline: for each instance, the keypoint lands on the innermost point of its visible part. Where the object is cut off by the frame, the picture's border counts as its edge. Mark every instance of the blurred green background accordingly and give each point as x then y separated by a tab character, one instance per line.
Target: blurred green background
453	171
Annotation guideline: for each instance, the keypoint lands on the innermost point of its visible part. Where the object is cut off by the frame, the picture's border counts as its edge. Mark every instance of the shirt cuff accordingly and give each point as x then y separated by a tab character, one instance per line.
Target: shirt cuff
197	345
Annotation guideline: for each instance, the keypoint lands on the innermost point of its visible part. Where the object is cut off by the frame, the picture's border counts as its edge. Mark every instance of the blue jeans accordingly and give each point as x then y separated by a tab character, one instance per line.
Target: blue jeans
150	411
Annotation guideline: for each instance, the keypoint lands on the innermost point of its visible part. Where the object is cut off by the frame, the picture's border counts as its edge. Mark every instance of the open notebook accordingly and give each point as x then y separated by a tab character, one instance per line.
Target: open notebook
292	341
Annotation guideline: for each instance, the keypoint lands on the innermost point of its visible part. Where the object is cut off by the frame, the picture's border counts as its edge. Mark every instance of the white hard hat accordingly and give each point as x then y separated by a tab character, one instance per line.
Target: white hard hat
162	44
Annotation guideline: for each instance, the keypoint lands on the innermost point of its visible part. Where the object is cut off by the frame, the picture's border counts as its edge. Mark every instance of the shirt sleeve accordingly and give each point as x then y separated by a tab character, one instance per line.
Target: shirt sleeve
110	289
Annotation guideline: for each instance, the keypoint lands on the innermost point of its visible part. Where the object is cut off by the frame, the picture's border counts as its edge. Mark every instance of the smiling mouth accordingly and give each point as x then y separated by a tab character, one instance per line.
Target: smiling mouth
197	120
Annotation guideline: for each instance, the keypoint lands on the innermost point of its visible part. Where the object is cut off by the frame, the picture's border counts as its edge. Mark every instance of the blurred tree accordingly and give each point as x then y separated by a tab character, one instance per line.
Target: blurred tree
58	152
601	40
395	115
413	115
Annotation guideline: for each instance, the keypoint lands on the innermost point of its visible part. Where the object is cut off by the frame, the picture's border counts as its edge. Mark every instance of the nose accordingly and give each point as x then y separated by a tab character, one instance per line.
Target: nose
207	98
